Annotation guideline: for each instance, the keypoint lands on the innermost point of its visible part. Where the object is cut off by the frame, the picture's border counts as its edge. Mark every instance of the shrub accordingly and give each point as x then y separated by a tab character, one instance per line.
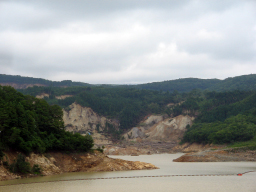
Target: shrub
20	165
1	155
100	149
6	164
36	169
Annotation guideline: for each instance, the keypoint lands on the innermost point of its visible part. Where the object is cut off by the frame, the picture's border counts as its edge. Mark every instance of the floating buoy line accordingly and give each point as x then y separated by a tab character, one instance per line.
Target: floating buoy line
131	177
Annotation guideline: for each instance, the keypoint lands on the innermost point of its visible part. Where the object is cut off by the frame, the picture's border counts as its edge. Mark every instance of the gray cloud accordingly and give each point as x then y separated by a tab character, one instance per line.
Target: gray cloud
127	41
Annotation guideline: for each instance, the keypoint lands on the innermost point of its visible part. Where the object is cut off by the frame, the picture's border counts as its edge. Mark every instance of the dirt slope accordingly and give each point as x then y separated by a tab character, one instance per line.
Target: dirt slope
220	155
159	128
56	163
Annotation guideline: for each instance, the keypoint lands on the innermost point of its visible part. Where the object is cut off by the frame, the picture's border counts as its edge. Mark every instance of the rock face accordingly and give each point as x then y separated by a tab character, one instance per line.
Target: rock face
84	120
158	128
156	134
56	163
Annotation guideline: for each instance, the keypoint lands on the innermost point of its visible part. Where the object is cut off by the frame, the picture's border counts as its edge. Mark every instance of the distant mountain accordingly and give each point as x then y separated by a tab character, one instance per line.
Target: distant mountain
180	85
19	82
244	82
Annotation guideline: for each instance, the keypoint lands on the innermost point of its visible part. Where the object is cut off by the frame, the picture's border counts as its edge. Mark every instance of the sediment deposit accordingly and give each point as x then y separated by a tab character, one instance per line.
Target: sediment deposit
219	155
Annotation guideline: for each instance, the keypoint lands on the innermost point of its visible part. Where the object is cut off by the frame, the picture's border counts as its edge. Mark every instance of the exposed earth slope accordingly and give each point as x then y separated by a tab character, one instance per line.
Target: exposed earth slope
84	120
220	155
56	163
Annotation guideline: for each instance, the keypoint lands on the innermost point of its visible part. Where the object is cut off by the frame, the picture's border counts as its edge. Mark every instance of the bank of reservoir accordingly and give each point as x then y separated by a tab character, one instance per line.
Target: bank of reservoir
172	176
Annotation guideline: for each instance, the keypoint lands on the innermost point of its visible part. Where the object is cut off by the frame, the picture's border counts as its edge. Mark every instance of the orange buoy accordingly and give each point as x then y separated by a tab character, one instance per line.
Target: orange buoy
239	174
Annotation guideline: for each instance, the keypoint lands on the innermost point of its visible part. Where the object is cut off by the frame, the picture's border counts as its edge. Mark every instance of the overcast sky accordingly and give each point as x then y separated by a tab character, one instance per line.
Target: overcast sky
127	41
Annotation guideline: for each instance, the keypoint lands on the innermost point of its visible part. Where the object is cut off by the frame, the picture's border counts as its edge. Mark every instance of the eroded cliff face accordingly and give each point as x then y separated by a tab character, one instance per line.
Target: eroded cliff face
56	163
156	134
158	128
41	96
84	120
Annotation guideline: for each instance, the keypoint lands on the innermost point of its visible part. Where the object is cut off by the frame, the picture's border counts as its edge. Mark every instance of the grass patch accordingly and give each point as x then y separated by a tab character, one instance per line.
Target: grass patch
246	144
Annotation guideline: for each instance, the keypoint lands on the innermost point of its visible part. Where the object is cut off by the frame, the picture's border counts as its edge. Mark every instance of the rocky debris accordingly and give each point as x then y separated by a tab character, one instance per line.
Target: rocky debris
194	147
139	148
6	175
149	147
160	128
48	164
151	131
220	155
56	163
100	139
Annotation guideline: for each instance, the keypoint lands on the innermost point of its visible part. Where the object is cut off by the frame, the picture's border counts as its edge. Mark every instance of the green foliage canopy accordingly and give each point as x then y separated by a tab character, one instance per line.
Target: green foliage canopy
28	124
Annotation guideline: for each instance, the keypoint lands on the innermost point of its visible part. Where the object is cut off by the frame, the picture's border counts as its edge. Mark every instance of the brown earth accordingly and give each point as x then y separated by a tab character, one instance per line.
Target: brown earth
56	163
160	128
219	155
42	95
139	148
63	96
149	147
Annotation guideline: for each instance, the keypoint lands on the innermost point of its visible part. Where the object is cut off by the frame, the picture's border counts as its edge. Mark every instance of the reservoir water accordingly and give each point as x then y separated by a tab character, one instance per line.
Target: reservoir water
172	176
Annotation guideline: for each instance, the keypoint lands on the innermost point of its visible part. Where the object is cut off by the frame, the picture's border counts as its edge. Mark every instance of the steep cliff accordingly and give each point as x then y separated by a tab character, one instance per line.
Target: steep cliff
84	120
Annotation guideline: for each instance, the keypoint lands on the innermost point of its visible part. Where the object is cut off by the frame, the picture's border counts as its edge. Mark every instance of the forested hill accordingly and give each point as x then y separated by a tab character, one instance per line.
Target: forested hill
220	117
244	82
128	105
180	85
29	124
8	79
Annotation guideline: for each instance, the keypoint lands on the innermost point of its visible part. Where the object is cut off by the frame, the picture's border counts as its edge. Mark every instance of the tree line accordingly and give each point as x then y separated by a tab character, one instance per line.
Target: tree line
29	124
224	117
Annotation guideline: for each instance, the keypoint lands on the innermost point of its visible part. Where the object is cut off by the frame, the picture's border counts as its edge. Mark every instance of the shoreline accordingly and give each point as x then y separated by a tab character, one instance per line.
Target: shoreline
219	155
58	163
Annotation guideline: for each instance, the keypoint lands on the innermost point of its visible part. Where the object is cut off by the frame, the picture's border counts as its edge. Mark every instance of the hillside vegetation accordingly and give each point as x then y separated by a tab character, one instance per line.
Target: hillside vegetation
28	124
225	117
127	105
30	80
224	110
221	117
244	82
180	85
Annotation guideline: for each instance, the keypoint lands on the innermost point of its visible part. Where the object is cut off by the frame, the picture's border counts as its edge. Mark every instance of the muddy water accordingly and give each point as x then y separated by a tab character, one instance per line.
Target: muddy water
180	177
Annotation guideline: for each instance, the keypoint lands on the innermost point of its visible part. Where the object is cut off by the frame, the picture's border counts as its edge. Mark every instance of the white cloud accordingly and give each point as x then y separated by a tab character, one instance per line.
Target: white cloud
127	41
